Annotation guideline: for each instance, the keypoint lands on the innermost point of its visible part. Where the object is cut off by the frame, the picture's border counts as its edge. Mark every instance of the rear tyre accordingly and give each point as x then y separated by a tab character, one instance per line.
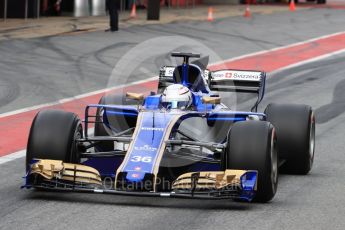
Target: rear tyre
52	136
295	127
321	1
252	146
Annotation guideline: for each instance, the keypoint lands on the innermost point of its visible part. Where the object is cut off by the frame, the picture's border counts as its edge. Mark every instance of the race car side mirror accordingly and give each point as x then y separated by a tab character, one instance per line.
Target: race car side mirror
135	96
211	100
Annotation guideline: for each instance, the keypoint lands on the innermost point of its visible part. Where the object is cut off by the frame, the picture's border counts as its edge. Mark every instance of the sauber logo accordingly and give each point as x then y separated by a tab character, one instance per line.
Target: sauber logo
145	148
152	129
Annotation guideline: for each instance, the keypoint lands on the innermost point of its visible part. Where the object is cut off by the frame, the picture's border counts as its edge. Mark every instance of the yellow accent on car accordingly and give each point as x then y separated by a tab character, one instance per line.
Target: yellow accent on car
55	169
211	100
210	180
135	96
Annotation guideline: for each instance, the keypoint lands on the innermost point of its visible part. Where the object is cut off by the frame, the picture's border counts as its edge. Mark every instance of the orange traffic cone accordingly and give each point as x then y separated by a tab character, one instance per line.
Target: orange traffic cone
292	5
134	11
210	14
247	13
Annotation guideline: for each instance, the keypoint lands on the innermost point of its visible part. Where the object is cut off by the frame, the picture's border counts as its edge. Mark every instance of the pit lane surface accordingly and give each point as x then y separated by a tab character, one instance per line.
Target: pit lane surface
315	201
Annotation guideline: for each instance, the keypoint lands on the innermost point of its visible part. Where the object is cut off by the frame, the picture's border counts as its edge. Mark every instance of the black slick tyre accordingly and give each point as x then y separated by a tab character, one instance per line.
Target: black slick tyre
295	127
52	136
252	146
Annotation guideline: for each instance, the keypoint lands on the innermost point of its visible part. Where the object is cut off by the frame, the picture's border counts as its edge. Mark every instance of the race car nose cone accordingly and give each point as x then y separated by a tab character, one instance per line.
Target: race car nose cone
135	176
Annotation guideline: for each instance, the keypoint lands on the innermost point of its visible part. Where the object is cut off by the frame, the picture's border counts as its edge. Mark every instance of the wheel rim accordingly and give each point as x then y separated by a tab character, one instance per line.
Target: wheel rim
312	139
274	162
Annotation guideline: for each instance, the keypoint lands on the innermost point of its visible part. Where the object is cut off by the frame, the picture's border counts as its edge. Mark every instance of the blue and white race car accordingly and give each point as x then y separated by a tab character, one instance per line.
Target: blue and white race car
181	142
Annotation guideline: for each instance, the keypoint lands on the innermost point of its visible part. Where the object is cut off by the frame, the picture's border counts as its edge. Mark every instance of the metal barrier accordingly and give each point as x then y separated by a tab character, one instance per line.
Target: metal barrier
82	7
98	7
122	5
26	9
5	10
38	8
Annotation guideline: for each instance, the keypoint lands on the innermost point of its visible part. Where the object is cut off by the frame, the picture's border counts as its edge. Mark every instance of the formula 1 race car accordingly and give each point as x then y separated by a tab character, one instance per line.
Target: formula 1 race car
181	142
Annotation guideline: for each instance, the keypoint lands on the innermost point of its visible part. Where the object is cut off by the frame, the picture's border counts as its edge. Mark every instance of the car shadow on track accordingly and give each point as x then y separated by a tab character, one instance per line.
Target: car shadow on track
335	108
118	200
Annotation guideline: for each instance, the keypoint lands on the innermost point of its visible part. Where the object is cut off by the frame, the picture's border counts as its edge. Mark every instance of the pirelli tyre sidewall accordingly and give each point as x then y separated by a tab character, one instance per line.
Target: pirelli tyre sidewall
52	136
295	127
252	146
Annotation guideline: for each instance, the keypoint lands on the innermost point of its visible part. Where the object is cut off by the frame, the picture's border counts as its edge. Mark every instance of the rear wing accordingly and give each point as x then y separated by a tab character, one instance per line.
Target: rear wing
245	81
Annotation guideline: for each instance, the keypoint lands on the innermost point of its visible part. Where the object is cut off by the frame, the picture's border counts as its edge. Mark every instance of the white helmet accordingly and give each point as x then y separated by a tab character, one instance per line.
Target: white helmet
176	96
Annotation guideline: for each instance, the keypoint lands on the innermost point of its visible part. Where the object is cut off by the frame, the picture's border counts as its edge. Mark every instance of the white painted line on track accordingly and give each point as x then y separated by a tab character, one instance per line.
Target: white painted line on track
12	156
65	100
278	48
22	153
308	61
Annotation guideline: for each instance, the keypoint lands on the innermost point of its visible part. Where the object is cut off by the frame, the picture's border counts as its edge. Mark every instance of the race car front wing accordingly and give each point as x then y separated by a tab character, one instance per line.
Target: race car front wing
228	184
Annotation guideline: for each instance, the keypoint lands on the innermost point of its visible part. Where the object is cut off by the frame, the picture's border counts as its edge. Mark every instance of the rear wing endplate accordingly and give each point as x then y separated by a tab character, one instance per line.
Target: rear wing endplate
245	81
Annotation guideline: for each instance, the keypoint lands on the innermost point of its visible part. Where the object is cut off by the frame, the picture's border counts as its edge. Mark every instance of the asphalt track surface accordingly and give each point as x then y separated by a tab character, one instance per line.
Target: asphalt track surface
43	70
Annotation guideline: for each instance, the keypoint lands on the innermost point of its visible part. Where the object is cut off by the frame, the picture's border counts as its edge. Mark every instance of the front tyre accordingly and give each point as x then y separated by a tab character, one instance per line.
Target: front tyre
52	136
252	146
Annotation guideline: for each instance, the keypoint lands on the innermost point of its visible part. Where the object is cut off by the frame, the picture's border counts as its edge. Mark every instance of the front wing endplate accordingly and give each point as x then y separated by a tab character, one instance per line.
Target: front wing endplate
236	183
58	170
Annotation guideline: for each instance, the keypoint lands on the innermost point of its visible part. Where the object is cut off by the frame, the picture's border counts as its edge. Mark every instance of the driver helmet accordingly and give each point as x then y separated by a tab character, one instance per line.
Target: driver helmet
176	96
